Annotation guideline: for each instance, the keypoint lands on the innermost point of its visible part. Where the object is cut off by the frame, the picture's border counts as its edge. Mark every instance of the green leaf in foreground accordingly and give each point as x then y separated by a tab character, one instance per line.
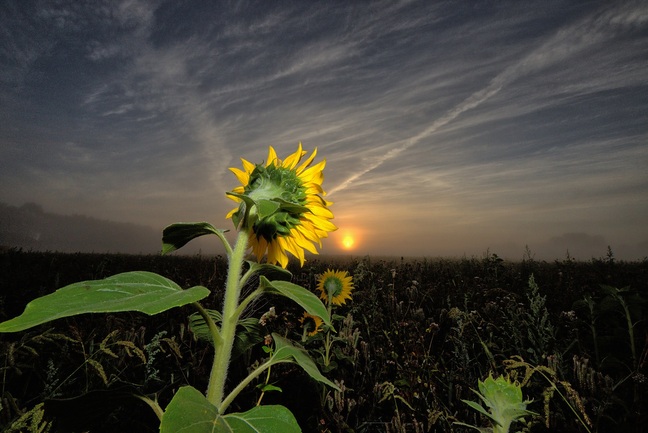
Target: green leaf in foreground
145	292
306	299
178	235
286	351
269	269
190	412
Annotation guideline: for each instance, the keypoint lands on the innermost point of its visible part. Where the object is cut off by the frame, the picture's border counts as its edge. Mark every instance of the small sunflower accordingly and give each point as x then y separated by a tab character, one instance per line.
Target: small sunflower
339	284
281	203
311	324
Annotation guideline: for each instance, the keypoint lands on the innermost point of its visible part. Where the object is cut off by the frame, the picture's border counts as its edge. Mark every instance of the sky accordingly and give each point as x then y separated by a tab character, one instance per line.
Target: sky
449	128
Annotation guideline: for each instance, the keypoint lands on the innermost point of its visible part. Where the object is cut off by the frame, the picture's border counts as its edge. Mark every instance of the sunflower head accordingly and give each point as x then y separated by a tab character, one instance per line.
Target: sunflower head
281	204
335	286
311	324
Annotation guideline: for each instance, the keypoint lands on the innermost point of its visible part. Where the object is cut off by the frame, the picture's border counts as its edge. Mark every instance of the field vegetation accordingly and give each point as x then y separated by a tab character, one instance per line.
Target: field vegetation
408	351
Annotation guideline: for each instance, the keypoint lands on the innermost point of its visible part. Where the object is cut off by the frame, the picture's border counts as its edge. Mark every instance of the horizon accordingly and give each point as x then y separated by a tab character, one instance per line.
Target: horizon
448	129
103	232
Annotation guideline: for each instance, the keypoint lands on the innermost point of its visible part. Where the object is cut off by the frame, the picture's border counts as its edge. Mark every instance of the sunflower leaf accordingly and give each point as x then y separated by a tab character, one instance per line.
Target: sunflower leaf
478	407
307	300
190	412
145	292
286	351
267	268
267	387
178	235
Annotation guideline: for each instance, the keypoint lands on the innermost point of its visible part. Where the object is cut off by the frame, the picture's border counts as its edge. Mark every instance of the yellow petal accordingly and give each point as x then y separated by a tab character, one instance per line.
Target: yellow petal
232	212
308	234
321	211
306	163
272	157
276	252
312	189
313	172
248	166
241	175
320	223
301	241
294	249
291	160
259	246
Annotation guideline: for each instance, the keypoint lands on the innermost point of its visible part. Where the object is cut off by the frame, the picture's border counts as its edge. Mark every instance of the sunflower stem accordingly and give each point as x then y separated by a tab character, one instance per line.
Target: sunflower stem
267	380
223	352
327	344
245	382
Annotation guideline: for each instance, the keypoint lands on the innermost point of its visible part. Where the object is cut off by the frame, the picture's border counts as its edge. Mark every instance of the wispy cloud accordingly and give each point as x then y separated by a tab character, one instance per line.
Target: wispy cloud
566	44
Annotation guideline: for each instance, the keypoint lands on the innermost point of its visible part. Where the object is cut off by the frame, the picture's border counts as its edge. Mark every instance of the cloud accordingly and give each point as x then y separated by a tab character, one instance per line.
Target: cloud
566	43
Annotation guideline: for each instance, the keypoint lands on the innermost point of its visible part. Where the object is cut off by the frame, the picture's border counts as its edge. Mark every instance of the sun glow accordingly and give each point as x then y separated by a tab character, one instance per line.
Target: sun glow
348	239
348	242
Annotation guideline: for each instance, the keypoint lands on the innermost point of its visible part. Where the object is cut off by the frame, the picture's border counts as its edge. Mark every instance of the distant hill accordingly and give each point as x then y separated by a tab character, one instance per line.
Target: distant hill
30	227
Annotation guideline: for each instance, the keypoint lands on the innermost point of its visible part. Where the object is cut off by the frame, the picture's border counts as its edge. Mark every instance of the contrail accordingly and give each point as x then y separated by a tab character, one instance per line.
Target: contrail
564	44
471	102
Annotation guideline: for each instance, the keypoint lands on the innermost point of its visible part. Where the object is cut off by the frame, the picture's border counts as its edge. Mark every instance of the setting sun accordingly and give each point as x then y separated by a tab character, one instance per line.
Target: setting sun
349	238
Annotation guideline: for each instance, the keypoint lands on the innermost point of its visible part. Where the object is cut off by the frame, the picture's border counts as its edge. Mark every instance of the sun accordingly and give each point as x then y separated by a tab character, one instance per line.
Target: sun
349	239
348	242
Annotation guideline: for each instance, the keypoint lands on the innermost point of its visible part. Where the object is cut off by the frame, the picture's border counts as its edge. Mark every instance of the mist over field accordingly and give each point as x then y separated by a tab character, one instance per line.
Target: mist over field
31	227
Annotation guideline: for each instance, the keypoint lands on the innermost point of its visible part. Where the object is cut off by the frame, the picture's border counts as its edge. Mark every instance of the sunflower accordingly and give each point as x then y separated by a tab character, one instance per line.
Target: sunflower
336	284
311	324
281	204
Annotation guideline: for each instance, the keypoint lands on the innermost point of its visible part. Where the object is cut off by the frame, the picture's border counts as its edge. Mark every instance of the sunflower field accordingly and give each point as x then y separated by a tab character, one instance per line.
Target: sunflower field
412	346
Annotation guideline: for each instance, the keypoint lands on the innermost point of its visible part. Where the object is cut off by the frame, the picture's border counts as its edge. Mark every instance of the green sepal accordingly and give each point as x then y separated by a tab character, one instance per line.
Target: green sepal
190	412
292	207
306	299
237	218
178	235
266	208
141	291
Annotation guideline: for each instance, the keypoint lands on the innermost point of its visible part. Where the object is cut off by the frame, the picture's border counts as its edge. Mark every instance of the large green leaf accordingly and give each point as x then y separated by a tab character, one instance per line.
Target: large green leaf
285	350
269	270
307	300
262	419
190	412
131	291
178	235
